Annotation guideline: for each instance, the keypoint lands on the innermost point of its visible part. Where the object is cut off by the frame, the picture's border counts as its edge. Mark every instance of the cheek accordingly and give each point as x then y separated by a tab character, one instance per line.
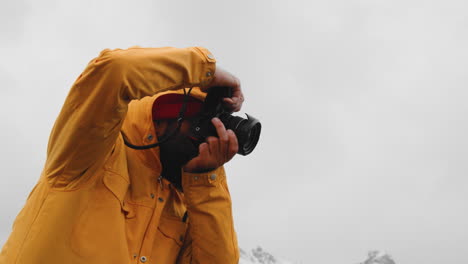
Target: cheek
160	128
185	128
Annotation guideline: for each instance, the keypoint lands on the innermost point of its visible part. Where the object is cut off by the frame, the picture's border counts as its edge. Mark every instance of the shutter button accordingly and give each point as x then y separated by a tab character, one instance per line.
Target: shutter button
143	259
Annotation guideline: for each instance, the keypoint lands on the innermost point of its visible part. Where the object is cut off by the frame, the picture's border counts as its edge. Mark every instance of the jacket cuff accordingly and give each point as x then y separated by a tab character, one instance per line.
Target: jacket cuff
210	178
209	68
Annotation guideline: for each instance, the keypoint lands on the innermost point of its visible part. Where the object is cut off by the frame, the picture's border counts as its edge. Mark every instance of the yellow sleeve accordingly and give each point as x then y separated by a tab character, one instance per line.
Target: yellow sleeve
92	115
211	236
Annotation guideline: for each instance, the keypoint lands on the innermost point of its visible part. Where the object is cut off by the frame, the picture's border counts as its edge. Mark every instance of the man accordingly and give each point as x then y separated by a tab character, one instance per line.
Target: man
99	201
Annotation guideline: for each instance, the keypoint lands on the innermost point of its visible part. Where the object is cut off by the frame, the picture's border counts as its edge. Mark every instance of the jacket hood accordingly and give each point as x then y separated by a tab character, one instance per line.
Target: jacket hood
138	125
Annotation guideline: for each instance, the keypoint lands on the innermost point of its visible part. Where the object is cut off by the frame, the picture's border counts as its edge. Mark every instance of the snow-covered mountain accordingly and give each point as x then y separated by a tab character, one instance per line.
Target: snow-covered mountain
260	256
378	257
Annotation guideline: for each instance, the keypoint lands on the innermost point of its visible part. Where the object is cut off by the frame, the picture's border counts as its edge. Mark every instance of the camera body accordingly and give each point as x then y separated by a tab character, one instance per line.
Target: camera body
247	130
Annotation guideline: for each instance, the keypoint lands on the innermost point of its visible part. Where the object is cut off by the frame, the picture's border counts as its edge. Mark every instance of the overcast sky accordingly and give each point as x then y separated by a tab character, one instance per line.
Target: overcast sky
363	106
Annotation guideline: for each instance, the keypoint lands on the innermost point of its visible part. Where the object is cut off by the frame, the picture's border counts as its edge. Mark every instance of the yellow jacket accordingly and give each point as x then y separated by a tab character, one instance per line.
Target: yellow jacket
98	201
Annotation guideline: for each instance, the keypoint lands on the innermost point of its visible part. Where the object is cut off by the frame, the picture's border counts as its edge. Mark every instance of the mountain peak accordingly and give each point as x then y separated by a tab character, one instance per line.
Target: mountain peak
259	256
378	257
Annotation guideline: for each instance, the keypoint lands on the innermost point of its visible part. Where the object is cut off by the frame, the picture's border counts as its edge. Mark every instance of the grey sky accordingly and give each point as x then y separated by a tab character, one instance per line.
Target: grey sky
363	105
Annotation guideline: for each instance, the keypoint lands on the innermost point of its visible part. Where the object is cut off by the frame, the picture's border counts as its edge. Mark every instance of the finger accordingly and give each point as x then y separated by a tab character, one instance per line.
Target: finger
233	144
220	129
235	84
223	78
198	161
237	94
213	145
223	138
207	160
234	104
237	91
203	150
229	102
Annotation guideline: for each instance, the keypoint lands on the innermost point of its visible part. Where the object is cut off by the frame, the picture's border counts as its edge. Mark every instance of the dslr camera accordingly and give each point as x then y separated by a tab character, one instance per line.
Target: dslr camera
246	130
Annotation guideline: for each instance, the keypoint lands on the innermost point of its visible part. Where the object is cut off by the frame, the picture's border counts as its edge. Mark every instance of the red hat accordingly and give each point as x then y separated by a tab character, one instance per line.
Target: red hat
168	106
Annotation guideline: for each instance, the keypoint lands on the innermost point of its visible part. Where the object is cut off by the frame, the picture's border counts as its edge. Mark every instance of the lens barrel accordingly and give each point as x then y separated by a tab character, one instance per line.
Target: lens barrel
247	131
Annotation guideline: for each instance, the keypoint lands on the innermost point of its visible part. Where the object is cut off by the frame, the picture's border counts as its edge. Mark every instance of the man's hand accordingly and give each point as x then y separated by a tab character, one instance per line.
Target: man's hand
215	151
223	78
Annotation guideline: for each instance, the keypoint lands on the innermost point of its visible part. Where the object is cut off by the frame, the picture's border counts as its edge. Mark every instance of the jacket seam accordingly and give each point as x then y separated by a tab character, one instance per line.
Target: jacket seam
85	185
138	204
118	174
234	247
193	229
58	177
32	224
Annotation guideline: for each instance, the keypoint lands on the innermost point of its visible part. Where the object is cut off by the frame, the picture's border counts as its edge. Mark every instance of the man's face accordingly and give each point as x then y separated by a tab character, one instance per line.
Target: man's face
175	151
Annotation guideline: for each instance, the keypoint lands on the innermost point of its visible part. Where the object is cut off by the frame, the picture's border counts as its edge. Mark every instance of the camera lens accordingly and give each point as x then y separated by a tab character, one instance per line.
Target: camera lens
246	130
251	139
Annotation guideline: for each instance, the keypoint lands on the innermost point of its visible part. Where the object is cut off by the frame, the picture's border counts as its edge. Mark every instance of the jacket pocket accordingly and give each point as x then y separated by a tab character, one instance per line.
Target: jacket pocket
173	228
170	237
